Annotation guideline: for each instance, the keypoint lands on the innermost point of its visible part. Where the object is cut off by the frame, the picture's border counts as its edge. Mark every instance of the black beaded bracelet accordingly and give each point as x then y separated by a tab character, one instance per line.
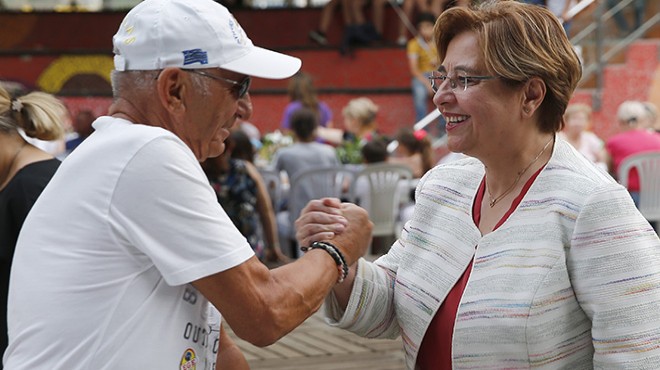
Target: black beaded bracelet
336	255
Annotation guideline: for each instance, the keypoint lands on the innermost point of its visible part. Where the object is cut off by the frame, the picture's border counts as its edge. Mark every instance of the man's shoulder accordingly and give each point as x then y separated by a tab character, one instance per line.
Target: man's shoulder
126	132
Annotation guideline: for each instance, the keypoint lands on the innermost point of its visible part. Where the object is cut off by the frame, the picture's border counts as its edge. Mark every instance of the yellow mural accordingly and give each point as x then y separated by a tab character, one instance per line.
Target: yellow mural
62	69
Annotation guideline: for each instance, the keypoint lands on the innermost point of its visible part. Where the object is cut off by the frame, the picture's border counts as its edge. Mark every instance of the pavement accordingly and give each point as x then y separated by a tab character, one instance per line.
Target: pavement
316	346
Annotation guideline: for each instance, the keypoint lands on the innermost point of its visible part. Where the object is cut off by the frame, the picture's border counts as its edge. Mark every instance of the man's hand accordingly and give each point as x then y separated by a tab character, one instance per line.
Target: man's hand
346	225
320	220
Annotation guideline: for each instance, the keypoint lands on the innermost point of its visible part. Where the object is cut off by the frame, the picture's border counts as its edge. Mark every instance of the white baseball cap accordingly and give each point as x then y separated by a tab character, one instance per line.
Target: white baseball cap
192	34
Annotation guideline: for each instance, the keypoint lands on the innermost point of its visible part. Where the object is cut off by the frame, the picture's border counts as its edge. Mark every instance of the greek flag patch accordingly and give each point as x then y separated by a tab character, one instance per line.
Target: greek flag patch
195	56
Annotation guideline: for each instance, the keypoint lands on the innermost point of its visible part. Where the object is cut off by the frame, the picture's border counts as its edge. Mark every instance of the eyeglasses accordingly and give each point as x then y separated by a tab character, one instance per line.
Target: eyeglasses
458	82
239	90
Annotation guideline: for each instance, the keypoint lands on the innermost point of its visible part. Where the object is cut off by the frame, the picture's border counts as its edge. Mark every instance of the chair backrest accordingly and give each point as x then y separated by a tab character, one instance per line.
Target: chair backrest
387	185
273	183
648	169
317	183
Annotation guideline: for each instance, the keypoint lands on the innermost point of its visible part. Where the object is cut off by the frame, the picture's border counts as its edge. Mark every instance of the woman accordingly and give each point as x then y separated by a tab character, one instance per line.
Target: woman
633	138
525	255
577	119
303	95
243	195
360	119
24	170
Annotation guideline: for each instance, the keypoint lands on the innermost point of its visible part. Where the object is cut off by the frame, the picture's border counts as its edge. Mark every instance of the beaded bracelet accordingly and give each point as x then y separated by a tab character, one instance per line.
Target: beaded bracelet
336	255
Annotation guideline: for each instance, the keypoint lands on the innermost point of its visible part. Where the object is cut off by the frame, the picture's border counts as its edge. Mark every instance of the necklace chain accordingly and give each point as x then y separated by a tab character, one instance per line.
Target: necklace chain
492	201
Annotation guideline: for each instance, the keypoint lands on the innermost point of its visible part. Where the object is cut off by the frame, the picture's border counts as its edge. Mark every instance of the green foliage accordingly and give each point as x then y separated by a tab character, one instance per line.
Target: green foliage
348	152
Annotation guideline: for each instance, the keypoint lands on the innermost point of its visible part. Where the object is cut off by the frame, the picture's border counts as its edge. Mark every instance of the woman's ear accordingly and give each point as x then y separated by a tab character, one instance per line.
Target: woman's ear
533	95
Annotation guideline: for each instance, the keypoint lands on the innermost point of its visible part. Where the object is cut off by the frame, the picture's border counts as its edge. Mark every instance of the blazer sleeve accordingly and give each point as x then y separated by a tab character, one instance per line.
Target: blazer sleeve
370	311
614	266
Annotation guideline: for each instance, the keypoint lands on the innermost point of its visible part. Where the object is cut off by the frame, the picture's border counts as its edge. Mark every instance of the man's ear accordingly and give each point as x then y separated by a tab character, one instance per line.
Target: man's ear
171	89
533	94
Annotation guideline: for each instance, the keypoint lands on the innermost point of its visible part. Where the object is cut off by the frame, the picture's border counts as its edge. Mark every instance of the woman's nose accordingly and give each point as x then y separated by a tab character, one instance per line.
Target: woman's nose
444	95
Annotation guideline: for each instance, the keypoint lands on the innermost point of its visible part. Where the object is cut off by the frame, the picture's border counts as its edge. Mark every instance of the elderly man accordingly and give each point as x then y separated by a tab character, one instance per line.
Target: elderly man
119	258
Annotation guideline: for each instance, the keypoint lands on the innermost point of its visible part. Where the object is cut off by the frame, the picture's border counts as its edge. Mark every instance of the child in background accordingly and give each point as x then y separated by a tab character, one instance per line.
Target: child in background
414	150
422	60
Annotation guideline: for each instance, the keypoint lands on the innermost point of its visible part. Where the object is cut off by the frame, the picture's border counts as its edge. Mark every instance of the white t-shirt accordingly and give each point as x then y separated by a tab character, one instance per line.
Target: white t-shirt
100	278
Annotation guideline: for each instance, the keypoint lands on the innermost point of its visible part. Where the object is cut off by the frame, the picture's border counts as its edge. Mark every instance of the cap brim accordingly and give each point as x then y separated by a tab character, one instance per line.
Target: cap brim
264	63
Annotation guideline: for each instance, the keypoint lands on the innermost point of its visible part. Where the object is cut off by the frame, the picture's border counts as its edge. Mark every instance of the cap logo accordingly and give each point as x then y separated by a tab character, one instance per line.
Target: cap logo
236	31
129	40
195	56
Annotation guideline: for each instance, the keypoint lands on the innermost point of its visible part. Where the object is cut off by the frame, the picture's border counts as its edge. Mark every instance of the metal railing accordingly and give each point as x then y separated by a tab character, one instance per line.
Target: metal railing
605	48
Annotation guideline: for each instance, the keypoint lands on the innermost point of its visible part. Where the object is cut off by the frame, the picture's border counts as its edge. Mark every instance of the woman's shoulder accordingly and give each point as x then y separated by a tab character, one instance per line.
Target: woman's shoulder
567	165
34	176
293	105
41	168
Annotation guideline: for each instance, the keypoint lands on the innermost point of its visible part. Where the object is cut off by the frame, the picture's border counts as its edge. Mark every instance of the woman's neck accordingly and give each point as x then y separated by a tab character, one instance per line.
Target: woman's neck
11	146
507	172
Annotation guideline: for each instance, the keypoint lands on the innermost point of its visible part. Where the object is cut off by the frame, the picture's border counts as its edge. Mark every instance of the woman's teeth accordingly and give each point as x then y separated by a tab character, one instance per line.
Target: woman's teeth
456	119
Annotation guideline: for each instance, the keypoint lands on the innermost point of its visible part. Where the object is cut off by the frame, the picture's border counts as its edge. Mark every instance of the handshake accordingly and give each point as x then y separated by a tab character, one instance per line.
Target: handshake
345	225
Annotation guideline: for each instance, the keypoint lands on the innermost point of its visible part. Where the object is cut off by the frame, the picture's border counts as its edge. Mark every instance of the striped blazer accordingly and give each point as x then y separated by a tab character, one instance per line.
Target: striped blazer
570	281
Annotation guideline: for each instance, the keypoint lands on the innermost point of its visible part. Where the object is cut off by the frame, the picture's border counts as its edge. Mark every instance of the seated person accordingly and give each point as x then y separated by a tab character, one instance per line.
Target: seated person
414	150
305	153
243	195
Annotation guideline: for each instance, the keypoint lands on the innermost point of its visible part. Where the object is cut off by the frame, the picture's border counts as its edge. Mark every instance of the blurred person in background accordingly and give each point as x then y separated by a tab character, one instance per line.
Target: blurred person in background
650	120
560	8
25	171
414	150
620	17
305	153
358	30
302	93
82	128
373	152
319	35
360	127
360	119
632	139
577	119
243	195
422	60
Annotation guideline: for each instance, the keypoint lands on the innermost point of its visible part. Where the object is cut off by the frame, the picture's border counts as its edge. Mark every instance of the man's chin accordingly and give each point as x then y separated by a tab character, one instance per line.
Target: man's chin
216	148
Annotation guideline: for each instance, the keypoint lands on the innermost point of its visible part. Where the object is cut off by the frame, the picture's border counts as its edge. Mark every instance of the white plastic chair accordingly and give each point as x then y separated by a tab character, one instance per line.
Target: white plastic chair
273	183
317	183
648	169
388	184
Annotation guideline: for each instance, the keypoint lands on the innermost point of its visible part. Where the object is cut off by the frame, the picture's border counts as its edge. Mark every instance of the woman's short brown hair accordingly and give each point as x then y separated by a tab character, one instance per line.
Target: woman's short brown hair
519	41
